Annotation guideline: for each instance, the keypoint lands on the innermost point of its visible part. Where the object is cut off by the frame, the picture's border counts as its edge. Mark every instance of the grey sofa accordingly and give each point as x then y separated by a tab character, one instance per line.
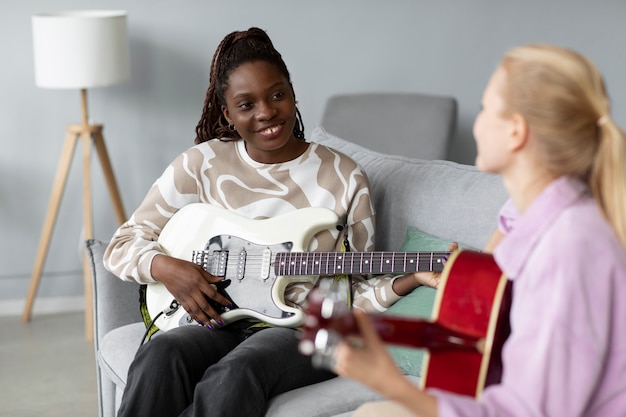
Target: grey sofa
446	199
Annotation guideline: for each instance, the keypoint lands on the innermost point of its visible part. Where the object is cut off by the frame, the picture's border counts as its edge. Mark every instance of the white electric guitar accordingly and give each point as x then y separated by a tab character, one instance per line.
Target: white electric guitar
258	259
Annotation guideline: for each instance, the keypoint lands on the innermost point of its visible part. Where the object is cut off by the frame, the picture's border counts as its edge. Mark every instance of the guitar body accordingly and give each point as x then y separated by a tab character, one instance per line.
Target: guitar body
463	338
247	263
474	299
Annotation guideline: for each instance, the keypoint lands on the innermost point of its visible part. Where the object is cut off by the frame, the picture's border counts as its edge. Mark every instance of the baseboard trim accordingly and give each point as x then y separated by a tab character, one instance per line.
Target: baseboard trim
47	305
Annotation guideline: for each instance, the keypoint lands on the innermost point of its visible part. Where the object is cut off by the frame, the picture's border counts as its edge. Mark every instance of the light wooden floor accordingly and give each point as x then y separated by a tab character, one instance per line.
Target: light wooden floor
47	368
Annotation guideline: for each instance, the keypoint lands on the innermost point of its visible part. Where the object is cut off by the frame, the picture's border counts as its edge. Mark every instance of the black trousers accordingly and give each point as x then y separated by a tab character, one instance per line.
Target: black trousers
233	371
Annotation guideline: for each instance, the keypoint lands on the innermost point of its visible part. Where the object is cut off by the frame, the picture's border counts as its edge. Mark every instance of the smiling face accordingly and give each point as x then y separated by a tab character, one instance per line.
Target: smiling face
491	128
260	104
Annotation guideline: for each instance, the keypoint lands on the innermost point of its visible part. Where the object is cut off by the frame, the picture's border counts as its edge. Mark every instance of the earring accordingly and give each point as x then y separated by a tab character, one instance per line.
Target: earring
232	128
297	130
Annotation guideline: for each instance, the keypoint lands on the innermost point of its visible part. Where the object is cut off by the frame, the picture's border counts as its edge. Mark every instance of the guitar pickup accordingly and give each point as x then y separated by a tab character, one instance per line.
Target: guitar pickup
241	265
213	262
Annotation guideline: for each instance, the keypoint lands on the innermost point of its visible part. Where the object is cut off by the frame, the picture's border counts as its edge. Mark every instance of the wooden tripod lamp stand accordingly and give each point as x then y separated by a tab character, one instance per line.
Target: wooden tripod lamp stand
79	50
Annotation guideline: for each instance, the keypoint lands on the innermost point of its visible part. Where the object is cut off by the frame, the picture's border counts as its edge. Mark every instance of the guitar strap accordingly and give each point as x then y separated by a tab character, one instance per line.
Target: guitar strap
151	328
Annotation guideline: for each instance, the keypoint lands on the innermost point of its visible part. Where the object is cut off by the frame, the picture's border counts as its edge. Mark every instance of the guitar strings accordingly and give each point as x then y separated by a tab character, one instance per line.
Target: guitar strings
328	263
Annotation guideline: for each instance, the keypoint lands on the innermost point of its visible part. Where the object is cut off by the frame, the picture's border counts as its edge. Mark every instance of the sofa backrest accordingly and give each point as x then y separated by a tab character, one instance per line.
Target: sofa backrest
452	201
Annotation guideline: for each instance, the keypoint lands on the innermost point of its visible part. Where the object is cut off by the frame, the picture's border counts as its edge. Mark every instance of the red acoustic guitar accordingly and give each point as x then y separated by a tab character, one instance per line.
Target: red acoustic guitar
463	338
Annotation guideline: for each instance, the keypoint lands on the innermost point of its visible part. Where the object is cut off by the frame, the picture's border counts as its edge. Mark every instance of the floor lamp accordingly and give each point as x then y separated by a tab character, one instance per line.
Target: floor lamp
78	50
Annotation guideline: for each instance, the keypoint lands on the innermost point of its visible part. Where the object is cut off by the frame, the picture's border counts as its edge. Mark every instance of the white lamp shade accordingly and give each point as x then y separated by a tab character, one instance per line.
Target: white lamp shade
80	49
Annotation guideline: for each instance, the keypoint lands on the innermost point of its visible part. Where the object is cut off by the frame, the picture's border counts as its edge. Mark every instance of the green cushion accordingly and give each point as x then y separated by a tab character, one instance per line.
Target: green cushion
418	303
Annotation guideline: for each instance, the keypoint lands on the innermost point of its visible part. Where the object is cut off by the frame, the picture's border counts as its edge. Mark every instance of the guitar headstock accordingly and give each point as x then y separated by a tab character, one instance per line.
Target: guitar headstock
327	319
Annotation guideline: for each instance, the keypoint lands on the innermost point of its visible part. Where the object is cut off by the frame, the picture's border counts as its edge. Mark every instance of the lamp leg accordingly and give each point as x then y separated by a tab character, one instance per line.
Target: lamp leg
98	140
85	136
51	216
109	176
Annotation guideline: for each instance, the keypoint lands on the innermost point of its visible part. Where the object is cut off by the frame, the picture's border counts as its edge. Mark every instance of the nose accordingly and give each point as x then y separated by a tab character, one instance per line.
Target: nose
266	110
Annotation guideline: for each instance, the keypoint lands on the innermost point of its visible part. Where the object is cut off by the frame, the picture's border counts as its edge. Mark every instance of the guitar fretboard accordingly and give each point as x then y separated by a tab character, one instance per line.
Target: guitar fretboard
333	263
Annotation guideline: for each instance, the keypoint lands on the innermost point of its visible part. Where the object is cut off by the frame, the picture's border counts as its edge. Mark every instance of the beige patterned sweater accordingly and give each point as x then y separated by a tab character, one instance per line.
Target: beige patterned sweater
221	173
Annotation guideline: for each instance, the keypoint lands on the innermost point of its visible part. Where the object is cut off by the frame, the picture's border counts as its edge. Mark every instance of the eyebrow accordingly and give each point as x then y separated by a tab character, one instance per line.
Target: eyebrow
274	86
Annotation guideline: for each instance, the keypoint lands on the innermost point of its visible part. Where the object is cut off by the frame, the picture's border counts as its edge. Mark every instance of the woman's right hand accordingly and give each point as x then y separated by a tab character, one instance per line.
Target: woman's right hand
364	357
190	285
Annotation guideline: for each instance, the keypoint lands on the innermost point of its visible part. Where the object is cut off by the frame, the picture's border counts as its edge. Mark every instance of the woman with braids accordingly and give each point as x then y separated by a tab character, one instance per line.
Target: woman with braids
250	158
545	127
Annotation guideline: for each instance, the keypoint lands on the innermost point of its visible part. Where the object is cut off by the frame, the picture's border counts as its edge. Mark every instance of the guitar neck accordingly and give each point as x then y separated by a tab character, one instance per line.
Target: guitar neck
421	334
402	331
332	263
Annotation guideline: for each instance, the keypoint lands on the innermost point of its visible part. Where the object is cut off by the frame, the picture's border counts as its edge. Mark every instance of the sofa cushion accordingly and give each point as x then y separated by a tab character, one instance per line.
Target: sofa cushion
326	398
329	398
117	351
416	240
417	304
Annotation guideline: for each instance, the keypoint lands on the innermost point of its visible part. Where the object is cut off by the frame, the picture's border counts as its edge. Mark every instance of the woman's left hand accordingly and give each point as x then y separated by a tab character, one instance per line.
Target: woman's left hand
431	279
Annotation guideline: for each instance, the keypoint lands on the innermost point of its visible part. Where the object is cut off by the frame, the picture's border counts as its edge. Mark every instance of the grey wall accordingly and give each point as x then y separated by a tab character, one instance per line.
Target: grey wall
331	46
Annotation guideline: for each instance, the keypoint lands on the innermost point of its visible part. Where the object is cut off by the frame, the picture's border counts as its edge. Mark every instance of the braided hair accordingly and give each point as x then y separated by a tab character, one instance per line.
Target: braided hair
236	48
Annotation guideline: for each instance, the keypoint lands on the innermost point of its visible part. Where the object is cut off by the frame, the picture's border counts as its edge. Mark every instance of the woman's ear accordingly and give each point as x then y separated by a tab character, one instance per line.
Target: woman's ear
518	132
226	114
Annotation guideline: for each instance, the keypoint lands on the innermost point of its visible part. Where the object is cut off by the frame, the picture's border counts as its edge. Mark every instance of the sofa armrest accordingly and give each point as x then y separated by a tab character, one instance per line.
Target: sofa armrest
116	302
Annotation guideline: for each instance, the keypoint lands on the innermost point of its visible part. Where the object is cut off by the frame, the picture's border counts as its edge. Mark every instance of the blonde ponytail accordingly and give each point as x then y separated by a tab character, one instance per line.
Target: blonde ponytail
608	175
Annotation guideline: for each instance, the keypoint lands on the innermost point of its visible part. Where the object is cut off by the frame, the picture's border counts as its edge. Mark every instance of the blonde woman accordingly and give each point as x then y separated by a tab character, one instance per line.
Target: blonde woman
546	128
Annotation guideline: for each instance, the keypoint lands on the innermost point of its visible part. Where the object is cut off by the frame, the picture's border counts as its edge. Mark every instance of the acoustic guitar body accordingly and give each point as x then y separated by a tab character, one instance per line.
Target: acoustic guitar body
475	303
463	338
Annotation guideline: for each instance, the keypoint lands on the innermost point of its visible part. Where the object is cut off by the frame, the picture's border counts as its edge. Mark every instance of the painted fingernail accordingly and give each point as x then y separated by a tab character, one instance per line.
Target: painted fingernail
209	326
220	322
